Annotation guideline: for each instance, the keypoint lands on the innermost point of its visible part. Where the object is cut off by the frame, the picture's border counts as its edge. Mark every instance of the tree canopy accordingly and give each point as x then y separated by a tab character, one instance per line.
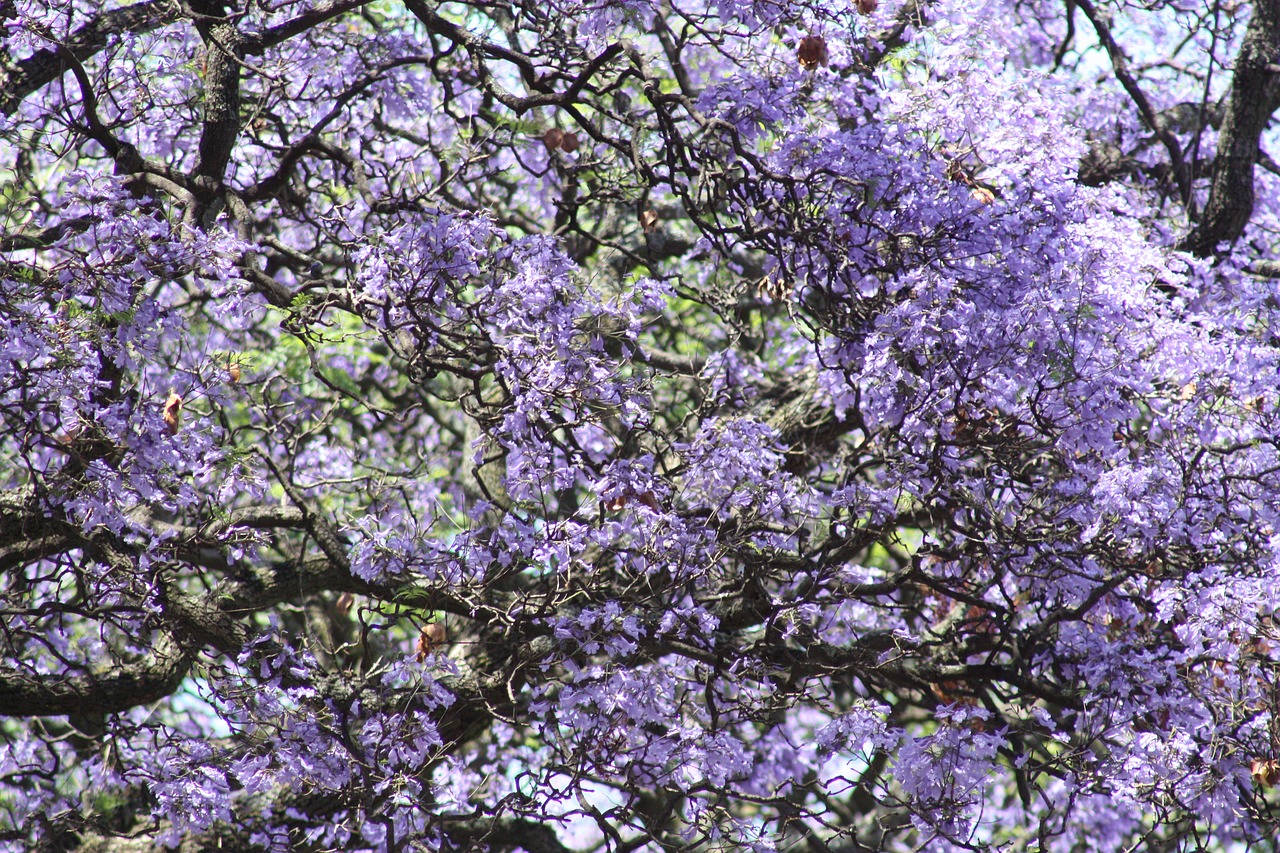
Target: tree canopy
639	425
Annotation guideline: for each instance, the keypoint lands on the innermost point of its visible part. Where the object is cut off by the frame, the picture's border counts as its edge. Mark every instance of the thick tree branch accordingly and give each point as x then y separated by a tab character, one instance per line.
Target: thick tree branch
44	66
1255	96
1120	64
1265	269
25	692
223	48
303	23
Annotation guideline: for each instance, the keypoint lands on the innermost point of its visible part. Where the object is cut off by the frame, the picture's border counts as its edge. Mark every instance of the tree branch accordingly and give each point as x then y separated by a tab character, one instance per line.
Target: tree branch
1149	115
221	125
1255	96
297	26
27	693
45	66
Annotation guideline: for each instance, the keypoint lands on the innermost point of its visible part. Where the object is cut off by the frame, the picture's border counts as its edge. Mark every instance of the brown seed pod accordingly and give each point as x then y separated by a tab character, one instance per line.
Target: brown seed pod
432	636
172	413
813	52
569	143
866	7
553	138
649	221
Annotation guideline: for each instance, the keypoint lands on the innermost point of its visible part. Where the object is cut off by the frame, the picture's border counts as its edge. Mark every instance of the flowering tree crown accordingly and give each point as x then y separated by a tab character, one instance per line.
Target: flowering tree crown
623	425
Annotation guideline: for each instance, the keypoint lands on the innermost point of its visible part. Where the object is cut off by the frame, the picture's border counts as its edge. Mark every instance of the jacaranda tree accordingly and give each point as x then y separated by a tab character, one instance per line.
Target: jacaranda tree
639	425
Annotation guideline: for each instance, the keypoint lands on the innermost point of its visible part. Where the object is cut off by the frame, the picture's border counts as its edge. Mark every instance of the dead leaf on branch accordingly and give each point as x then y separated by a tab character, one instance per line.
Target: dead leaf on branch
1265	771
619	502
